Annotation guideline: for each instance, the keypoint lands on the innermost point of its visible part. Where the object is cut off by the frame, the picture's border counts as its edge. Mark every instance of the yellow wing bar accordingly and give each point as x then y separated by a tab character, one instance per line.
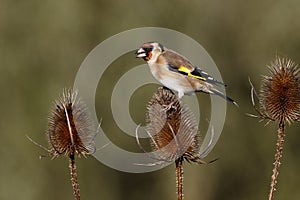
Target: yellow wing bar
189	73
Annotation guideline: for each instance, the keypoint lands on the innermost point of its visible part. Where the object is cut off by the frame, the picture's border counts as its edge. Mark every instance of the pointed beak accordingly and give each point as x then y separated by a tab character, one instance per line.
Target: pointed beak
140	53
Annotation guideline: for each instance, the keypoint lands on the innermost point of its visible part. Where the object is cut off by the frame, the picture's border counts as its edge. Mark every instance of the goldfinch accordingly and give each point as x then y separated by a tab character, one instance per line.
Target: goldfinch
177	73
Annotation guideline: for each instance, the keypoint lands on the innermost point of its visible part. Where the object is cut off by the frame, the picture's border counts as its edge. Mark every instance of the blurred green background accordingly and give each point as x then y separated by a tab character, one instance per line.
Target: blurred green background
43	43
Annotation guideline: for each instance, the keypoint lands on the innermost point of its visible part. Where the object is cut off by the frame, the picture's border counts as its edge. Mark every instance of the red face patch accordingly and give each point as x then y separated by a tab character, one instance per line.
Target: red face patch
149	56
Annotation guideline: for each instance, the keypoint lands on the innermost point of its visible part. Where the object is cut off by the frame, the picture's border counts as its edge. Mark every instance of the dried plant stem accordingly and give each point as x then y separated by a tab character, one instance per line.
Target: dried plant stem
74	177
278	156
179	178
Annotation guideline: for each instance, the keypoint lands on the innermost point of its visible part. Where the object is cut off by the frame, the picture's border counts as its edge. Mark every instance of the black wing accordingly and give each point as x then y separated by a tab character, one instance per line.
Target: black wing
199	72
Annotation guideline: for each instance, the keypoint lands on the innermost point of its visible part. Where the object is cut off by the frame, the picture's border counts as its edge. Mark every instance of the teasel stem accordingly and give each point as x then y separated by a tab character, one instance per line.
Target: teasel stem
74	181
179	178
278	155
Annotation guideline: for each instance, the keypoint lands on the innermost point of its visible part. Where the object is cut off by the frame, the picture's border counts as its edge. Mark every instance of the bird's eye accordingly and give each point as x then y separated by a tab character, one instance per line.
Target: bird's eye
148	49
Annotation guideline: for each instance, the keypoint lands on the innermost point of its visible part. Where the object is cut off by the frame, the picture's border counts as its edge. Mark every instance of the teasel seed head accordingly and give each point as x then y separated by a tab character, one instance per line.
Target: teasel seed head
174	132
280	91
70	131
279	100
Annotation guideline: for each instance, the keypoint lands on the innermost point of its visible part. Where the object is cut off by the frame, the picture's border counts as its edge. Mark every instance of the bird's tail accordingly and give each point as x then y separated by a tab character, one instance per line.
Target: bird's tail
220	94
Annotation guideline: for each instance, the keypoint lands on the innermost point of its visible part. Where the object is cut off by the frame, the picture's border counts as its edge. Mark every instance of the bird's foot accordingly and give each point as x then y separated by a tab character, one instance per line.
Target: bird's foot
168	107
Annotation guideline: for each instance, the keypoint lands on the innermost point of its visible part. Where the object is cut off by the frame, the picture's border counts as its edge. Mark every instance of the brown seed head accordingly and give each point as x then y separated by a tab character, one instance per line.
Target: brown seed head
70	131
174	131
280	91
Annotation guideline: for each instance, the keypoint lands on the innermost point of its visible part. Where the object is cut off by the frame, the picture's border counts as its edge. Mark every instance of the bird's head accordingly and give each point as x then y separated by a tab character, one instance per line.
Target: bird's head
149	51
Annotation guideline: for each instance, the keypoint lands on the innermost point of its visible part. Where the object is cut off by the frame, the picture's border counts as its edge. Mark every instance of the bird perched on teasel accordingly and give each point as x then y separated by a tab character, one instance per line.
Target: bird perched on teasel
177	73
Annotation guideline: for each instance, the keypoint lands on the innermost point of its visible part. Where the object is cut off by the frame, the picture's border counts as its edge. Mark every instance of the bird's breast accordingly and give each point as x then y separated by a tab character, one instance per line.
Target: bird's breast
170	79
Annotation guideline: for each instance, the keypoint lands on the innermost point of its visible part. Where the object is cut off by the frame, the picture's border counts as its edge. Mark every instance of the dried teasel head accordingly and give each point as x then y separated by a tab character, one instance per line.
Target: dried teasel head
174	131
70	130
279	96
